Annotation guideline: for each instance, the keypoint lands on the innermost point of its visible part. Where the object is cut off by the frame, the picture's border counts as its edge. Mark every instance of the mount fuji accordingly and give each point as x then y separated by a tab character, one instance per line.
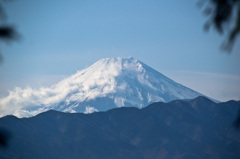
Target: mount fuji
107	84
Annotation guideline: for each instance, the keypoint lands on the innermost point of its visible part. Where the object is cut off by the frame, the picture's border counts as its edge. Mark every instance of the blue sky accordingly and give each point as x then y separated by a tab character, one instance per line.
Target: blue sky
59	37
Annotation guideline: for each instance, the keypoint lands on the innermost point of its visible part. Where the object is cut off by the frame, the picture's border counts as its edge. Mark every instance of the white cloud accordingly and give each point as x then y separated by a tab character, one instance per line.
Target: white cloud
86	84
90	109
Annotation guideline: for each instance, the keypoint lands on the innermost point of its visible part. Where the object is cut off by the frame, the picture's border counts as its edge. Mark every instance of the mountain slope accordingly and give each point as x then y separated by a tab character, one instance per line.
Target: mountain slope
109	83
180	129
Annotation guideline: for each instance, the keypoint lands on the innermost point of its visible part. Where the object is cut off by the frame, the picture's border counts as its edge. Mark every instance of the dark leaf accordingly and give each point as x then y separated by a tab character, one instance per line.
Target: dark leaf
8	33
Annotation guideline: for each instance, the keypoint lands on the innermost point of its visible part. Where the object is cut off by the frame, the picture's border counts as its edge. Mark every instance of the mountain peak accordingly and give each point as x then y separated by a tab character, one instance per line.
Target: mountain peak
107	84
118	63
202	99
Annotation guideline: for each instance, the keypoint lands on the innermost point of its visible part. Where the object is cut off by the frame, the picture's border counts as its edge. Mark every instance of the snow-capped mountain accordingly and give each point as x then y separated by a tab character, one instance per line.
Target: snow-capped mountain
109	83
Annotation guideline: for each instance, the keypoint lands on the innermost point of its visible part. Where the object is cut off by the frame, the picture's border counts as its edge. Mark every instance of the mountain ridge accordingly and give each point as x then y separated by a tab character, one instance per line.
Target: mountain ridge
192	101
160	130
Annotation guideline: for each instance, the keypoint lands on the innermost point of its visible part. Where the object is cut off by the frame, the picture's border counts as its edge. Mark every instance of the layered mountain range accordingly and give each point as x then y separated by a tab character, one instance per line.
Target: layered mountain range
107	84
181	129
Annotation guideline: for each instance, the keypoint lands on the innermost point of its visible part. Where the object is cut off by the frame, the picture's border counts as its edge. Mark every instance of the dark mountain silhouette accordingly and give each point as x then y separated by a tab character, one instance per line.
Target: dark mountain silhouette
181	129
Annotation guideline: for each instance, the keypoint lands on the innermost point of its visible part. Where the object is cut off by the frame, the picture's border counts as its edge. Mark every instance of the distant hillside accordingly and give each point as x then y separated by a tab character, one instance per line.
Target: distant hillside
198	128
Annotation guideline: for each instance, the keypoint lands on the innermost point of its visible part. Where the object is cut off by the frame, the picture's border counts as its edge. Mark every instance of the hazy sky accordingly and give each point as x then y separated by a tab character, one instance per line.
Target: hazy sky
60	37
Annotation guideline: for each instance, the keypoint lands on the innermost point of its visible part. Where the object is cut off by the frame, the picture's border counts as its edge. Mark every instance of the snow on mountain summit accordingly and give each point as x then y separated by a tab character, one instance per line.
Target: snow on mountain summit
109	83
